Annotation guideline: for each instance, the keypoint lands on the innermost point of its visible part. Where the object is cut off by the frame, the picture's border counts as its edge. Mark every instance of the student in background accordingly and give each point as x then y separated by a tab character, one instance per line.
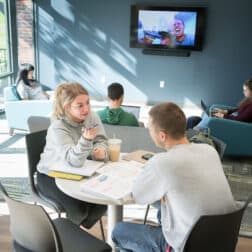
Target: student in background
114	114
27	87
188	179
242	113
75	134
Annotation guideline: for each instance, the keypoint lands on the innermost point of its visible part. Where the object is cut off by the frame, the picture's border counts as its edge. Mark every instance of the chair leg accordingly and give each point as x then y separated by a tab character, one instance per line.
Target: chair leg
146	214
102	230
11	131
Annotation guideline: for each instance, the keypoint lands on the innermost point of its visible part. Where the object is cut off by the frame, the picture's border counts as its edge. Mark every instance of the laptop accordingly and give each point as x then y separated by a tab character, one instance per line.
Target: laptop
135	110
204	107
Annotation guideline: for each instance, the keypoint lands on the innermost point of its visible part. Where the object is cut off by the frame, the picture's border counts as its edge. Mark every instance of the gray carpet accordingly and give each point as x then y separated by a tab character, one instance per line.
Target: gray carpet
5	147
17	188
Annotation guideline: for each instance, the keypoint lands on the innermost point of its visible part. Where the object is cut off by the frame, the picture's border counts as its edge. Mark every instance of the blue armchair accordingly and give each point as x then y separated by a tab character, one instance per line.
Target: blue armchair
237	135
18	111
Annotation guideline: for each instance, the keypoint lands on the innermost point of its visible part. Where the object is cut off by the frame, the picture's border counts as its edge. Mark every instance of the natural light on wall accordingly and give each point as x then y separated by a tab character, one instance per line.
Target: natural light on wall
125	59
63	8
101	75
190	108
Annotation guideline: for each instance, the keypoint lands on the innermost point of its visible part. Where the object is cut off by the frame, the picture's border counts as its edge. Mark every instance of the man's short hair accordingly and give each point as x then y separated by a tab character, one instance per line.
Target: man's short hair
170	118
115	91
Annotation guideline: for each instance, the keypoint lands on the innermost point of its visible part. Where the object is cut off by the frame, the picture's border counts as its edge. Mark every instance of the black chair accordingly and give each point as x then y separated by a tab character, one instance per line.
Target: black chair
216	233
33	230
35	143
38	123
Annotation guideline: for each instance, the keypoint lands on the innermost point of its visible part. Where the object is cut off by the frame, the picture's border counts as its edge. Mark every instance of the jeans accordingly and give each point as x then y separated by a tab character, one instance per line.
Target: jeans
133	237
204	122
192	121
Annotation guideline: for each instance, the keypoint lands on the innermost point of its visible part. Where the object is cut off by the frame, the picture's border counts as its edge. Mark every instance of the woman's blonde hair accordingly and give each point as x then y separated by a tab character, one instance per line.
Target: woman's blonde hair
64	96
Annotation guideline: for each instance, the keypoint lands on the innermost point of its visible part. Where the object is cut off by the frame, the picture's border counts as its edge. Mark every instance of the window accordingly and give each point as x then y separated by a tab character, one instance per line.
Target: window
7	43
4	39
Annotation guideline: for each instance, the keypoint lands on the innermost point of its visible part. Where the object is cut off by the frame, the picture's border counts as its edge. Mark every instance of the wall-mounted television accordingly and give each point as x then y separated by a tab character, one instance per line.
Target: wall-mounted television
168	28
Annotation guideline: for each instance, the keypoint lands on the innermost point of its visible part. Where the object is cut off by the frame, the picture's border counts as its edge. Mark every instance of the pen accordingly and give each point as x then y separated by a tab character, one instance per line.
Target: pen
94	126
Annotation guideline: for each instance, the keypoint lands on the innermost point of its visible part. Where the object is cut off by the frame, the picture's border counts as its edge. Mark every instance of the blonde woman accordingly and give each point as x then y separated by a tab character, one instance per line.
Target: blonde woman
75	134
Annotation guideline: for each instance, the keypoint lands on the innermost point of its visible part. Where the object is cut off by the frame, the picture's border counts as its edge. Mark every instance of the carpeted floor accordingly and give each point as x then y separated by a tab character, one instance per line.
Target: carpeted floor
17	188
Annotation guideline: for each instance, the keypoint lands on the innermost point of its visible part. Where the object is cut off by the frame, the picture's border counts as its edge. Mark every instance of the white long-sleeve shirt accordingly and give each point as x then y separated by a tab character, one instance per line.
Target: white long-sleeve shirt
190	178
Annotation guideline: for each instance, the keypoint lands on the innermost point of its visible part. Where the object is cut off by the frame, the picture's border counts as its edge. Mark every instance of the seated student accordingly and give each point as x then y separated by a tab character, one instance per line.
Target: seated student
27	87
188	179
114	114
242	113
72	138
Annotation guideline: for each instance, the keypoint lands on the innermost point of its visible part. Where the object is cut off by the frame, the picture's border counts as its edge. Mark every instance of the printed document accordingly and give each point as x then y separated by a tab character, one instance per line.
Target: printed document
115	180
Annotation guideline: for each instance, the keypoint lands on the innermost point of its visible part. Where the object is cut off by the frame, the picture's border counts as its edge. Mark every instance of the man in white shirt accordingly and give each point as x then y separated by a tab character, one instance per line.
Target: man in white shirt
188	179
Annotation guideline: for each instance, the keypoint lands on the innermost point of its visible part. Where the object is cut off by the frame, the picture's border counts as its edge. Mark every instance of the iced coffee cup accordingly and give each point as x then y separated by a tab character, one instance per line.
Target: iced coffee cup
114	149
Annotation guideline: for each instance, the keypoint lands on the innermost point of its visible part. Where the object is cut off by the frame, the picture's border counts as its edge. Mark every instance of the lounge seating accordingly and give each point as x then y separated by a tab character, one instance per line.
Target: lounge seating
18	111
235	134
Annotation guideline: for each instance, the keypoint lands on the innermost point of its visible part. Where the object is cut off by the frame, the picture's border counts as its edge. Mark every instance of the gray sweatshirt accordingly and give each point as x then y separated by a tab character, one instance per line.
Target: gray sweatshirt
64	141
191	180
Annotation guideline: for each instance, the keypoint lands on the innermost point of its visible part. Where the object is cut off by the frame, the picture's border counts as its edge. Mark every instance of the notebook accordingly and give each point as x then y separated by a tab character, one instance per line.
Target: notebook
204	107
88	169
56	174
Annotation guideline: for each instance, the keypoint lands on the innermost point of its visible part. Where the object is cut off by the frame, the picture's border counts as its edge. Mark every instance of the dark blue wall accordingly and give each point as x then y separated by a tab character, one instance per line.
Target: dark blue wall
88	41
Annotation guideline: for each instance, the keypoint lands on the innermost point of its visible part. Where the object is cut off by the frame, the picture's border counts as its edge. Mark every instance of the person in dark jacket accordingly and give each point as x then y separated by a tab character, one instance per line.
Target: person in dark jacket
242	113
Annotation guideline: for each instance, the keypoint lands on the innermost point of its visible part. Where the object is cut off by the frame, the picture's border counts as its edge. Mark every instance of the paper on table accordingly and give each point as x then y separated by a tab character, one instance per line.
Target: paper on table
88	169
108	186
121	169
114	182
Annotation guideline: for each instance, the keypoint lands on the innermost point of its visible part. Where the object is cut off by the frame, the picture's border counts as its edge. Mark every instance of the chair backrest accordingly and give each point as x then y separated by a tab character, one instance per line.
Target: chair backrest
38	123
35	143
133	138
216	233
11	94
31	227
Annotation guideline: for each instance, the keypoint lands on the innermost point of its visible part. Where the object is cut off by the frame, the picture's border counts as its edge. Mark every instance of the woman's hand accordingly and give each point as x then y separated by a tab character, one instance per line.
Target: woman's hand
89	134
218	114
99	154
222	111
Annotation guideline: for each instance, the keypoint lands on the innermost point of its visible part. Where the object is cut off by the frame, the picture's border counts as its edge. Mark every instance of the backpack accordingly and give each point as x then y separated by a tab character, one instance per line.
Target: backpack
203	137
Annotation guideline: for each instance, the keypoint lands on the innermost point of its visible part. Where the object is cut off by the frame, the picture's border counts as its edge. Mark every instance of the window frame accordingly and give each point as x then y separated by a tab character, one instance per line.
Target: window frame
10	11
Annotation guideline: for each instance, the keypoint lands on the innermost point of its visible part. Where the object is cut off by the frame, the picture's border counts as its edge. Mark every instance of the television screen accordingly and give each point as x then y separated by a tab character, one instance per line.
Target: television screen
167	27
